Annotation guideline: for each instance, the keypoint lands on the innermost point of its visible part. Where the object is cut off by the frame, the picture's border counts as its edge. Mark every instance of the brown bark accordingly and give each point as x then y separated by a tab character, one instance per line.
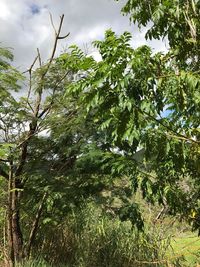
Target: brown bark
9	227
15	239
17	234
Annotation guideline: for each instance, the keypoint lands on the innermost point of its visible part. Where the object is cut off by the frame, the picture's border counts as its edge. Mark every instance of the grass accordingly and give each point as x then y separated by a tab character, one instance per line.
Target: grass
34	263
186	245
90	238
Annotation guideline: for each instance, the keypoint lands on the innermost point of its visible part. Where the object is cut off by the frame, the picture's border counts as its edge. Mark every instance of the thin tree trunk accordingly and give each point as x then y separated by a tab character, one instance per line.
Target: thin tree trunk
35	226
16	230
9	218
15	239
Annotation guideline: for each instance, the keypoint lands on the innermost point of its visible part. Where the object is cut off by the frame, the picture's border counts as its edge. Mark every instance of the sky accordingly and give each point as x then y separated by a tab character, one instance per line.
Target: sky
25	26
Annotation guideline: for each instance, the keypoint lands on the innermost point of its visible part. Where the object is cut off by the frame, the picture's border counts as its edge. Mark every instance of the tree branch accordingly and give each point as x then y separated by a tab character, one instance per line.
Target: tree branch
39	57
51	19
54	89
36	115
177	135
63	37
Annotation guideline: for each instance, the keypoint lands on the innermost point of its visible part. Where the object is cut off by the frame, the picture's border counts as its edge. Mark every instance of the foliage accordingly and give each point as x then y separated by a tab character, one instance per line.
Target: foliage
44	151
175	19
102	131
179	152
51	154
149	102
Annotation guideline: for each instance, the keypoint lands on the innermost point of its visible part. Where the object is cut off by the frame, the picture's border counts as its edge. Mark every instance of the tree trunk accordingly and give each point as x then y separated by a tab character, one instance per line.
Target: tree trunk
15	238
9	219
17	234
35	226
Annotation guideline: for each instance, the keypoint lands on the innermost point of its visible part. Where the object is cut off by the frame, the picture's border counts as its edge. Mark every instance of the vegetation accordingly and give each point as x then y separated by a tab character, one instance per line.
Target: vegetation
81	141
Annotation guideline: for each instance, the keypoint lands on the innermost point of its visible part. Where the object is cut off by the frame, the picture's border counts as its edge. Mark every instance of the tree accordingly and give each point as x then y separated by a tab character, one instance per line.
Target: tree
9	82
135	115
178	22
50	153
22	119
150	102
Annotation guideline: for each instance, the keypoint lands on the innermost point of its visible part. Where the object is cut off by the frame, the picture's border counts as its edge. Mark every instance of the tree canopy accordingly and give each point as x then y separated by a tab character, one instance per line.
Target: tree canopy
150	101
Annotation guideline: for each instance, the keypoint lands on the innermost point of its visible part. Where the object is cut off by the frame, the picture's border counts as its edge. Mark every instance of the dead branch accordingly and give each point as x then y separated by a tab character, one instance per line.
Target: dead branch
33	125
57	36
63	37
39	57
32	65
30	81
51	19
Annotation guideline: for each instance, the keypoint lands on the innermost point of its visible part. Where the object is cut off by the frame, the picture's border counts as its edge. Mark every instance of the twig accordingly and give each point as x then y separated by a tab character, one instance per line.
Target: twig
51	19
30	80
63	37
56	41
39	57
177	135
4	160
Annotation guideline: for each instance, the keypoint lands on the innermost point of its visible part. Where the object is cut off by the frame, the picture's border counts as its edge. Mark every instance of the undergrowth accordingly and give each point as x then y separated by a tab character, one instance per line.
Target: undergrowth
91	238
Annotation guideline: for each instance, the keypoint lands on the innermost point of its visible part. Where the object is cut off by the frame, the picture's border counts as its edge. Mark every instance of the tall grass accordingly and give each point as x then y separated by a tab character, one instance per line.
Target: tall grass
37	262
89	238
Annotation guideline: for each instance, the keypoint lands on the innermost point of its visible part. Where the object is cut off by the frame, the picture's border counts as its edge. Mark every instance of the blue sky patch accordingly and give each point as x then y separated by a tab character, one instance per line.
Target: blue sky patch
34	9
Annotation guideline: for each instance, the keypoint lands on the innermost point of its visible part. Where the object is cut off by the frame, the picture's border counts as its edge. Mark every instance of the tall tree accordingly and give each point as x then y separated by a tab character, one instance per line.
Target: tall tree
22	118
50	153
150	102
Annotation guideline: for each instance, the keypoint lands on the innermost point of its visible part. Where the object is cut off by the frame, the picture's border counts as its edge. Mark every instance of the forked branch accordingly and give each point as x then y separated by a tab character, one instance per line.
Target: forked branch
36	114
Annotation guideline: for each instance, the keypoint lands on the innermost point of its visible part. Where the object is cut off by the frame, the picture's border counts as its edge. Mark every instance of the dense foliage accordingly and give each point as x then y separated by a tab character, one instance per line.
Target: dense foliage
150	102
74	129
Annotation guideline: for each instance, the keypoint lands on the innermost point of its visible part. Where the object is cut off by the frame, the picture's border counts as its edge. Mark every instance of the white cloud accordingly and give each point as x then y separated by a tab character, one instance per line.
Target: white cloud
4	11
25	24
96	55
92	34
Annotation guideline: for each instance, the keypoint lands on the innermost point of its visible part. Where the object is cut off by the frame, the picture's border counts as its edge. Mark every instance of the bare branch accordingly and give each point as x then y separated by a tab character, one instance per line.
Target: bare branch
51	18
31	67
30	80
33	127
39	57
63	37
4	160
56	40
